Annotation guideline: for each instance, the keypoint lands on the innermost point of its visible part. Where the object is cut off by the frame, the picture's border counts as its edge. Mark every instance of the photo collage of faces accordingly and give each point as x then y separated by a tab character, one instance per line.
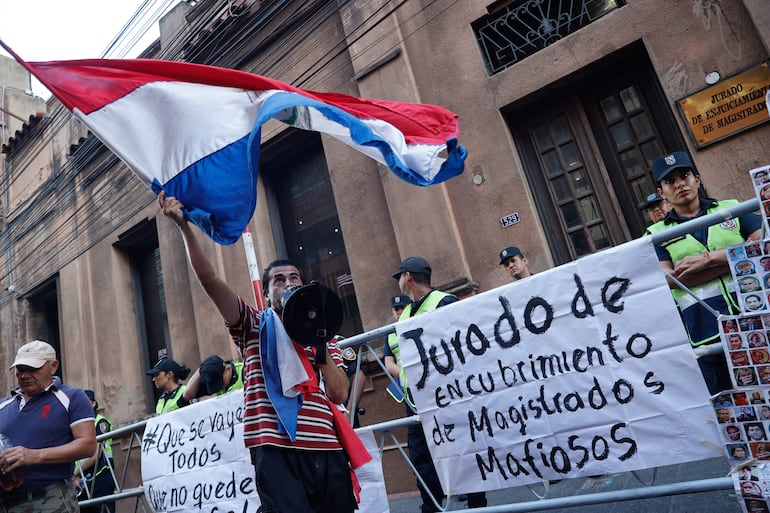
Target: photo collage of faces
750	266
760	177
743	417
745	337
743	414
745	341
750	262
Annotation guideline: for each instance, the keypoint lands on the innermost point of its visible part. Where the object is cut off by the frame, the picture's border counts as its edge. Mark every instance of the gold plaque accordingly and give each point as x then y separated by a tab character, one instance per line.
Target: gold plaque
729	107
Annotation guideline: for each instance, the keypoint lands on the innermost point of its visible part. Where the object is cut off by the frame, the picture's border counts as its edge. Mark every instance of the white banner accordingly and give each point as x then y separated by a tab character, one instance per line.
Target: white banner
581	370
194	459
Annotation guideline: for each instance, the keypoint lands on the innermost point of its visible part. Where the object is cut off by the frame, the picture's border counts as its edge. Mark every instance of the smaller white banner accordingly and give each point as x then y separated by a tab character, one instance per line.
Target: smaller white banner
194	459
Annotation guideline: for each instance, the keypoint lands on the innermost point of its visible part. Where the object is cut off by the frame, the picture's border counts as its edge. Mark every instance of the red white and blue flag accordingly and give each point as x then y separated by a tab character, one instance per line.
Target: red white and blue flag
194	131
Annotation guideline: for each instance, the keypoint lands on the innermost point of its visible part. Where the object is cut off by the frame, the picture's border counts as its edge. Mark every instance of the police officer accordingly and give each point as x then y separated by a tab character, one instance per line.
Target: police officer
699	259
413	277
214	376
166	375
514	261
656	207
96	471
391	351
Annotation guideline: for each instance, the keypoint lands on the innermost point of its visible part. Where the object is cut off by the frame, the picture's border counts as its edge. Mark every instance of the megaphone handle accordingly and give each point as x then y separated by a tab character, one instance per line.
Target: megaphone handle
320	354
322	357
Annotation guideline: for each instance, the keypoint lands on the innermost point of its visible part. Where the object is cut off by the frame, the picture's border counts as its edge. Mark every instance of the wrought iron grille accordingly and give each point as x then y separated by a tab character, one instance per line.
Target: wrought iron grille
521	28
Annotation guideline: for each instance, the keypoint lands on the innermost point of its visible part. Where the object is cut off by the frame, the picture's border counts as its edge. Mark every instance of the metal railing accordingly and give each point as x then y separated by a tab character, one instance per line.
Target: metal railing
133	433
386	429
541	502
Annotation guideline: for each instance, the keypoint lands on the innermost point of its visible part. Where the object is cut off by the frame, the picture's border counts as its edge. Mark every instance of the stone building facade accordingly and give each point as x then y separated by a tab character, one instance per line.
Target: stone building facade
561	112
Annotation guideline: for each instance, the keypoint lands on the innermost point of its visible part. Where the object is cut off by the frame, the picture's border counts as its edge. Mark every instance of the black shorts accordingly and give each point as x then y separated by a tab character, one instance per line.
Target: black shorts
299	481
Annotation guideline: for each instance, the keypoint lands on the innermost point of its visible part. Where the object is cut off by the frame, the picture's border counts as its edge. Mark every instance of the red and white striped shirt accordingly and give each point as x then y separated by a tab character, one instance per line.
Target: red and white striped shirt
315	425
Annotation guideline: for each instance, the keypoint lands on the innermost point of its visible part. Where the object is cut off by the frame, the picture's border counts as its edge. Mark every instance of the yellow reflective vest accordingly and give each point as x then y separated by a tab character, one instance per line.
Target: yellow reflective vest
238	378
429	304
700	323
168	403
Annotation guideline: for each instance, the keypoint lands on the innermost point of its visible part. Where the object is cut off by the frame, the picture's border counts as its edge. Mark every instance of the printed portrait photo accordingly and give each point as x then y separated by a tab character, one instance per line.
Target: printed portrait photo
750	323
751	489
745	414
739	359
747	474
749	284
753	302
764	193
757	339
761	176
733	433
760	450
738	452
760	356
725	415
745	376
754	249
744	267
729	326
736	253
755	432
735	341
764	374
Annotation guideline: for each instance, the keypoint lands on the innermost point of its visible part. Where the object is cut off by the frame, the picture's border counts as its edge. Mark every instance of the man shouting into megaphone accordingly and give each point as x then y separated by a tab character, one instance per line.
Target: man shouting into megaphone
301	446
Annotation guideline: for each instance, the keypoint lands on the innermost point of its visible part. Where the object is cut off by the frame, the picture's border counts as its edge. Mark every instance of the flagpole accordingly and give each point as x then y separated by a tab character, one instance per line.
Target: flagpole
27	66
254	273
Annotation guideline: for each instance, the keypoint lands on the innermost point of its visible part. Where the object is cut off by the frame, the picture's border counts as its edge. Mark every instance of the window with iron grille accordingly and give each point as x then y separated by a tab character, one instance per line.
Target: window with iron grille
517	30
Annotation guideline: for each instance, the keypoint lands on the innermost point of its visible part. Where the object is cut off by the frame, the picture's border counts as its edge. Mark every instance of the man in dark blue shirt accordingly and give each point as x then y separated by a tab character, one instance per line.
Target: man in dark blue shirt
51	426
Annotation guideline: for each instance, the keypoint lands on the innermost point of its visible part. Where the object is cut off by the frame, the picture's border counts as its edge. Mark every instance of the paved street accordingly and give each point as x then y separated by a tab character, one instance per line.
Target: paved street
706	502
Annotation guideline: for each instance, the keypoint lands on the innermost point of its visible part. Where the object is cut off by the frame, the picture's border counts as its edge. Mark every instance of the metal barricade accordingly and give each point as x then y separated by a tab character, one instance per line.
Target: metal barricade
543	503
120	477
385	429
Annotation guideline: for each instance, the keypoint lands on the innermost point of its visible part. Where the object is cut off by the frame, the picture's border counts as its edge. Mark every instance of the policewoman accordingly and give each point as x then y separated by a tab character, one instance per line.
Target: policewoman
699	259
95	471
166	375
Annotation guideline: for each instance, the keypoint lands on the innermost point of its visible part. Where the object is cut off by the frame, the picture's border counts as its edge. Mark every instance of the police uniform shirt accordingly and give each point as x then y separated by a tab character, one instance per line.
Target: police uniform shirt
749	222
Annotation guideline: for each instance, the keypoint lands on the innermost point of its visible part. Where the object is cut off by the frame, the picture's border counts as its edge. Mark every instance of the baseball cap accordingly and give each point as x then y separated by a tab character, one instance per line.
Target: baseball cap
399	301
212	372
667	163
510	251
651	199
413	264
34	354
164	365
90	394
